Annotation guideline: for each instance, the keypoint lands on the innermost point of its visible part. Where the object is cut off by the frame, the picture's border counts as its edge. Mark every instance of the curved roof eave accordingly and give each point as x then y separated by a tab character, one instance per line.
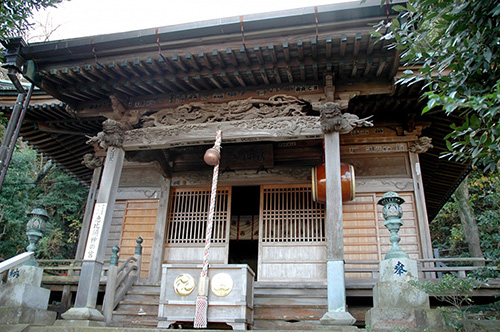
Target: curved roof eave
253	23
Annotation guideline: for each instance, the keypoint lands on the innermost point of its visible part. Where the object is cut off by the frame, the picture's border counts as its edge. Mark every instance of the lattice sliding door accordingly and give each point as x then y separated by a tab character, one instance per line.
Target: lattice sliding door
187	221
292	242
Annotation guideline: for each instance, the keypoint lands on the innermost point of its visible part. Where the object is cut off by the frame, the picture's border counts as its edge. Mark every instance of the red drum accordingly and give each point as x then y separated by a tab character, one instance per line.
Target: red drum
346	178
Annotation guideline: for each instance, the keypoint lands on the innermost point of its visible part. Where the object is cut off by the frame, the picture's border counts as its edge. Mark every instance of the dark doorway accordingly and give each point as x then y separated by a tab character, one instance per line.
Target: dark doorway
244	235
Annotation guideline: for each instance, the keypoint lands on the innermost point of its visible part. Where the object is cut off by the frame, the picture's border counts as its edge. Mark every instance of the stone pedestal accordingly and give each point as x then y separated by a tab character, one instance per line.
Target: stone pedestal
80	317
396	303
23	300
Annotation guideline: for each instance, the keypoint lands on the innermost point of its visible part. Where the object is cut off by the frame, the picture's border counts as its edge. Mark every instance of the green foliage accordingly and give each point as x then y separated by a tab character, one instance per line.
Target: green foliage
454	46
16	14
454	291
484	195
59	194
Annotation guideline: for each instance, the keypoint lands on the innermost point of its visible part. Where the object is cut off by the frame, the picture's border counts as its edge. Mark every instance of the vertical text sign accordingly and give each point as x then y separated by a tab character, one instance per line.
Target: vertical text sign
95	232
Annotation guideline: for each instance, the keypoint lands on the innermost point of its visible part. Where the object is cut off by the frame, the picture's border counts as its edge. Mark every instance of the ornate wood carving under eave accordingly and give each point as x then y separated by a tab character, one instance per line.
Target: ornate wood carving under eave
92	161
111	135
243	109
332	119
422	145
275	129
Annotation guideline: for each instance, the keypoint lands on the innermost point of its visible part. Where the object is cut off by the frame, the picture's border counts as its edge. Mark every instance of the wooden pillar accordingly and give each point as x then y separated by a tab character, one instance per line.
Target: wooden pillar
87	217
332	124
421	146
88	287
160	233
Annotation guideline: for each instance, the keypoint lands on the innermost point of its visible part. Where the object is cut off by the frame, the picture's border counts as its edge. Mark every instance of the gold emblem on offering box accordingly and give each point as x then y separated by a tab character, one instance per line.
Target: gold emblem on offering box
222	284
184	284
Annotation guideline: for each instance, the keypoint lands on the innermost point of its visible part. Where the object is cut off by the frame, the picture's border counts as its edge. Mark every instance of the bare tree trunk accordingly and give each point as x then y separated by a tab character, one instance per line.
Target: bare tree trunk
468	221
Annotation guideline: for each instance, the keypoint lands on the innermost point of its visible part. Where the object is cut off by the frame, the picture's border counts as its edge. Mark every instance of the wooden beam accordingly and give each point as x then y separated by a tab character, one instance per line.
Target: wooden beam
201	81
343	44
214	81
302	72
112	66
125	65
86	73
190	82
315	71
179	83
232	57
204	59
144	67
225	78
286	51
258	54
92	70
177	60
251	77
368	66
329	42
314	48
395	64
237	76
218	56
155	85
263	74
272	52
371	42
139	86
244	55
146	87
192	61
166	62
171	87
357	41
289	74
61	77
122	88
300	49
381	66
50	77
354	69
290	128
276	73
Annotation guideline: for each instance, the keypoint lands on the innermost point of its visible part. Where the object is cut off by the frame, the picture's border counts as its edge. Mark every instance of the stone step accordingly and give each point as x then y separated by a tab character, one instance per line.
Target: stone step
152	328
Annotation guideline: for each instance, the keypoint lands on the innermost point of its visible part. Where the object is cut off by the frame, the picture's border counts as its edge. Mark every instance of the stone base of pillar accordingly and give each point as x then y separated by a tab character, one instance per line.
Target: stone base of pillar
78	316
79	323
408	318
338	318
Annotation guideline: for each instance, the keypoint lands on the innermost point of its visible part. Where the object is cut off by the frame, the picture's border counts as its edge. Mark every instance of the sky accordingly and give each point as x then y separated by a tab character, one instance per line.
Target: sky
78	18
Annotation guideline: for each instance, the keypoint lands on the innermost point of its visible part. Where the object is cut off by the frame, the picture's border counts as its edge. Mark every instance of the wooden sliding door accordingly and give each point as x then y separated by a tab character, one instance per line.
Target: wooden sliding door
187	221
292	235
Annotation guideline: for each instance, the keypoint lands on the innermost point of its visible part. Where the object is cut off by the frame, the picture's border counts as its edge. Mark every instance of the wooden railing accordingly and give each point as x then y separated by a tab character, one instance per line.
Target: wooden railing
121	278
427	268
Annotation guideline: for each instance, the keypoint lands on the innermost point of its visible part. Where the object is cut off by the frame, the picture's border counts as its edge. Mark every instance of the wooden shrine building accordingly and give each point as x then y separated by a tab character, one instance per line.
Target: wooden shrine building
265	80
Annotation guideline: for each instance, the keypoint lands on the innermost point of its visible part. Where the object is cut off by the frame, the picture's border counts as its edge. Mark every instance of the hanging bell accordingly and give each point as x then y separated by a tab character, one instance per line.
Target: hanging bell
212	156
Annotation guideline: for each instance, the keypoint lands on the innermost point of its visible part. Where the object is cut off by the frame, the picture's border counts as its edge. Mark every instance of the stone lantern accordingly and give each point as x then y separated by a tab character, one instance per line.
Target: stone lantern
392	212
35	228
